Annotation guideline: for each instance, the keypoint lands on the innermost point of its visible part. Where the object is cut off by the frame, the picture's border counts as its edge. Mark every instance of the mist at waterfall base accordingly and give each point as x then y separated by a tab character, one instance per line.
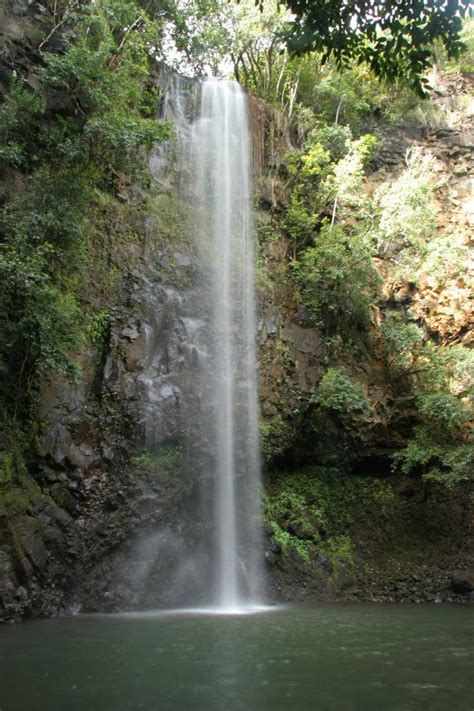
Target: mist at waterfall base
220	566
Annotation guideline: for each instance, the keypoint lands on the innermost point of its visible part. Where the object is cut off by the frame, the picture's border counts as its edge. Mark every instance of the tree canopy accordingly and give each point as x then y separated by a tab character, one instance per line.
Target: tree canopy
396	39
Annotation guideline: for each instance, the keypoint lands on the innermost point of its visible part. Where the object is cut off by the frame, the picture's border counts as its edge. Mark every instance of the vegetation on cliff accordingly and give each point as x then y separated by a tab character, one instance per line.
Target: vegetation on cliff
69	130
354	248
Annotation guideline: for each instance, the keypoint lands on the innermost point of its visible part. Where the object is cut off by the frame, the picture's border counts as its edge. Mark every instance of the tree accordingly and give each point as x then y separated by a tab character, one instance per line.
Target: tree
395	39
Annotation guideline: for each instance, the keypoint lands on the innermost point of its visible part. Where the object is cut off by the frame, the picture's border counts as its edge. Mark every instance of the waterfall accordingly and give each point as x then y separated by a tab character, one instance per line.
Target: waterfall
200	382
222	184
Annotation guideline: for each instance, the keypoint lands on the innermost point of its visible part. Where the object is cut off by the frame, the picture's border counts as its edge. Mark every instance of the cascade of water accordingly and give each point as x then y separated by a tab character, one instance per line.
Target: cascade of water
207	398
221	170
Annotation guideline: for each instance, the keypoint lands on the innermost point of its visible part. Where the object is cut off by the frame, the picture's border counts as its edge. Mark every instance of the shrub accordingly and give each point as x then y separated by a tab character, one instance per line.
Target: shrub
277	436
404	343
342	394
441	460
333	138
407	215
19	117
441	447
336	281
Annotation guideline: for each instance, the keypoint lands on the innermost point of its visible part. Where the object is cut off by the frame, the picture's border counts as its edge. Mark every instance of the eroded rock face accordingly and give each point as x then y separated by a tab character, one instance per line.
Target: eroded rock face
442	303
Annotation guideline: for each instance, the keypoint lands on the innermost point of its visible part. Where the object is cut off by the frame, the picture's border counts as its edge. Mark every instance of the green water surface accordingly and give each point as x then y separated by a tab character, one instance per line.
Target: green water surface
330	657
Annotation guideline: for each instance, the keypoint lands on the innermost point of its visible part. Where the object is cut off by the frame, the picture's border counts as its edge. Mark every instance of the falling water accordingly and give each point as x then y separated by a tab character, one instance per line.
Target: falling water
200	381
221	176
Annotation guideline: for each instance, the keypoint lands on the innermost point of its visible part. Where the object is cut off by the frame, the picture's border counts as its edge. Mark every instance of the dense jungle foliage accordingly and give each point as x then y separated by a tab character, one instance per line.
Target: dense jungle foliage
77	124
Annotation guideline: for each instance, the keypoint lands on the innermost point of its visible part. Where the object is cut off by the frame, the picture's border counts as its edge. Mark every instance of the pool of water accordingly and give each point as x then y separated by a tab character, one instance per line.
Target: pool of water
330	657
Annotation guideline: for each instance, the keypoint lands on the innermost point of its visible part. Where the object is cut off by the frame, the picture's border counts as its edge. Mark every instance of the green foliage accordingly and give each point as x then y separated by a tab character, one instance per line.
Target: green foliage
170	216
276	437
39	323
299	222
354	95
446	257
441	388
288	511
345	186
268	231
365	146
335	278
116	140
317	181
98	330
443	462
16	487
167	460
405	344
442	447
98	327
443	410
336	281
104	73
18	119
341	552
314	161
407	216
342	394
195	35
308	171
458	362
333	138
6	470
256	49
91	118
431	369
395	41
293	521
37	216
313	510
465	62
307	88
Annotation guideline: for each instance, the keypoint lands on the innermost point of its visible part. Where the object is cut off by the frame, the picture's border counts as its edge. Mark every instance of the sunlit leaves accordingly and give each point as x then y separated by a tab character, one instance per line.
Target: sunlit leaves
394	39
407	214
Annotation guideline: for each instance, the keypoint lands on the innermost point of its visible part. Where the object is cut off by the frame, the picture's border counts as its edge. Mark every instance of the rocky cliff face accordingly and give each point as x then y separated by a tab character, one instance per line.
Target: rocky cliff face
99	517
293	353
411	552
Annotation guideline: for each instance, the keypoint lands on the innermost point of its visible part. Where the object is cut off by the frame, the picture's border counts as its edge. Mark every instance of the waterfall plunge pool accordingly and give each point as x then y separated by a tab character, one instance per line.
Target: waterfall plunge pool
325	658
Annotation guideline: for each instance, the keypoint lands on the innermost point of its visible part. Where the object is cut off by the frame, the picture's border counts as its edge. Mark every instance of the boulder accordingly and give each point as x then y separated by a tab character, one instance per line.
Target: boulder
462	582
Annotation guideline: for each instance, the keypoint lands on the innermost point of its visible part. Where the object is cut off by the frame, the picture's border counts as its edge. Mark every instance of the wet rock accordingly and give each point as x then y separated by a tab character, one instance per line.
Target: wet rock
462	582
62	496
130	332
275	546
305	340
271	558
182	260
324	563
56	443
272	323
